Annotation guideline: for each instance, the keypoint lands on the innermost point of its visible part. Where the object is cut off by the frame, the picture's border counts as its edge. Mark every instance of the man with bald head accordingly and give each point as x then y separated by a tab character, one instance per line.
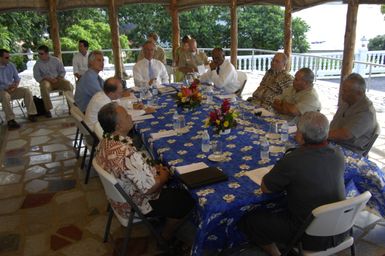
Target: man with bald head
312	175
222	73
158	53
273	83
299	98
355	122
191	59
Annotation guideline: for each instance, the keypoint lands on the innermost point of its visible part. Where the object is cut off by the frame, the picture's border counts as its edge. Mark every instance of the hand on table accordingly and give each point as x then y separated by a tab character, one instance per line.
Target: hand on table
149	110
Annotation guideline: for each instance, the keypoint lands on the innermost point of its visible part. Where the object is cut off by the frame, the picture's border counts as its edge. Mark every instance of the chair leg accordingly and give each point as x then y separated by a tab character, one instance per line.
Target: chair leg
84	158
21	108
90	164
76	138
79	145
127	234
353	247
108	224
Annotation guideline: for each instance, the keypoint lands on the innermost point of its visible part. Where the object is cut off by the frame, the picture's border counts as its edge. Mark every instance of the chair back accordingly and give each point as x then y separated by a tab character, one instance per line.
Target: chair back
242	78
109	181
98	130
78	115
336	218
70	99
376	133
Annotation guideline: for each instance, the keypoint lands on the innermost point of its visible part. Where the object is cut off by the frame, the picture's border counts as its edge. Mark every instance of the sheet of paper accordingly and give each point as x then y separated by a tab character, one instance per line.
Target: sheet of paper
257	174
265	112
292	129
163	134
191	167
201	69
140	118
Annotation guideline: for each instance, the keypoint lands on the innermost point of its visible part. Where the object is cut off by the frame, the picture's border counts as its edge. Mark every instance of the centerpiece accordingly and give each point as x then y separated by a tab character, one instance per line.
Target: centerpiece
190	96
223	118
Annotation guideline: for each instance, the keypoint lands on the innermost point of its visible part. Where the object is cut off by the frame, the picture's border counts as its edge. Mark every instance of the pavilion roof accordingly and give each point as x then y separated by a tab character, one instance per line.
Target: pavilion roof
7	5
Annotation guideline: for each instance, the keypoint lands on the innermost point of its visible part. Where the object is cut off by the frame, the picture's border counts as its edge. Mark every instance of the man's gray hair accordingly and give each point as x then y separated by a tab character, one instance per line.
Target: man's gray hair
314	127
308	75
108	117
359	83
92	55
149	42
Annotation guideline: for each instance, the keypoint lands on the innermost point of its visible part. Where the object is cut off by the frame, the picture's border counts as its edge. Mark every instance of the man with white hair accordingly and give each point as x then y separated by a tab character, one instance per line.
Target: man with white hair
273	82
355	122
90	83
316	181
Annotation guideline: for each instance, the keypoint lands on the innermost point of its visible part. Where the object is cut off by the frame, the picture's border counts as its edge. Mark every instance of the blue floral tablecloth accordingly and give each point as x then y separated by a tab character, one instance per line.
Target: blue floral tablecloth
220	206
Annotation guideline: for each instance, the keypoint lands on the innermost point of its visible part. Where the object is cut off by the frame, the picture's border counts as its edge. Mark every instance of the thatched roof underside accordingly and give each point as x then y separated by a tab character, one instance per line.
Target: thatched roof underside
42	5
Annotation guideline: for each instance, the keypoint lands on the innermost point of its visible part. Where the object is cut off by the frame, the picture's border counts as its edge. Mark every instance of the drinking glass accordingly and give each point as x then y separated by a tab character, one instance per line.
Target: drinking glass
180	125
216	147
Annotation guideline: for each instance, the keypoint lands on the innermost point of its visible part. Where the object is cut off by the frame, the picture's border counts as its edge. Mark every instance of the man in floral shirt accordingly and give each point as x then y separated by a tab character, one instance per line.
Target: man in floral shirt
142	180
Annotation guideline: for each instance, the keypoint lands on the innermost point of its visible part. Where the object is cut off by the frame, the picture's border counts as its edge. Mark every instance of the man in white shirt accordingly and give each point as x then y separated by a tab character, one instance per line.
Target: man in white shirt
222	73
149	70
112	91
80	60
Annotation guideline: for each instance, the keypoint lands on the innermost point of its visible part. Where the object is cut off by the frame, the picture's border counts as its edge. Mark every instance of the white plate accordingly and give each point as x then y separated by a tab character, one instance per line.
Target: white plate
216	158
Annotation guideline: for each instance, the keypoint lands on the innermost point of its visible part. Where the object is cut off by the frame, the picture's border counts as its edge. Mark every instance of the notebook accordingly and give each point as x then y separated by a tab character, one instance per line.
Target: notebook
202	177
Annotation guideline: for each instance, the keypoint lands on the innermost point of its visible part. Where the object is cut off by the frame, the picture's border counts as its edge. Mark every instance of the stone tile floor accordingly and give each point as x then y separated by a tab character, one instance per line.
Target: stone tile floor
45	208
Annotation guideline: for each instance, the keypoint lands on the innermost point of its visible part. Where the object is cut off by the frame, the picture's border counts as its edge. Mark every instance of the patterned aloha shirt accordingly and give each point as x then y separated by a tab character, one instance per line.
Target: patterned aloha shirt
130	167
272	84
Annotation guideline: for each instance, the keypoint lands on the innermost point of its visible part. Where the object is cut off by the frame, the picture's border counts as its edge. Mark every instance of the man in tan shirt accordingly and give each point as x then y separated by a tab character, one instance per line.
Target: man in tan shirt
190	60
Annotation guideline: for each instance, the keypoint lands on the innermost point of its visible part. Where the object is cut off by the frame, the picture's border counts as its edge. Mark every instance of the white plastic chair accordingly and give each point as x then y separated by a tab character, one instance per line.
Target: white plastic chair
242	78
116	193
330	220
98	130
90	139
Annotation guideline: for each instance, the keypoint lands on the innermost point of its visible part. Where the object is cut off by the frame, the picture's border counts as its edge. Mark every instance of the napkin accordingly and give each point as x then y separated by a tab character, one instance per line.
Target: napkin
292	129
226	96
257	174
140	118
264	112
165	89
163	134
190	167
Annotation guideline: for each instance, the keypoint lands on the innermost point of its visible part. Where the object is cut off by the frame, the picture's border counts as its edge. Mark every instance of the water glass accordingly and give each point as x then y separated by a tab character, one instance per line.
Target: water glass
180	124
216	147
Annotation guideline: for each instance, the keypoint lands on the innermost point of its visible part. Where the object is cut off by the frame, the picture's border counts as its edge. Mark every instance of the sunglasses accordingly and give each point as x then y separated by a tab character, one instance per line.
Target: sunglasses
41	53
6	57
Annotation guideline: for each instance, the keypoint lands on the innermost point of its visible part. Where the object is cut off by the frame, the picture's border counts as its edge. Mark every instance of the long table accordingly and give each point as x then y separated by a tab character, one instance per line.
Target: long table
220	206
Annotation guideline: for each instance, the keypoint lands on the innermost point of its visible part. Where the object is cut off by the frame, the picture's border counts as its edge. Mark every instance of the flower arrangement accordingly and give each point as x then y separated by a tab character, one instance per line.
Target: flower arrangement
190	96
222	118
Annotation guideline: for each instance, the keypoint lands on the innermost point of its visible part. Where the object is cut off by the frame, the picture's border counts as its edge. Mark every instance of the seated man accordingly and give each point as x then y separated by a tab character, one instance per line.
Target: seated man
112	91
299	98
222	73
9	90
142	180
273	82
80	60
90	83
158	52
355	122
317	180
191	59
149	70
49	72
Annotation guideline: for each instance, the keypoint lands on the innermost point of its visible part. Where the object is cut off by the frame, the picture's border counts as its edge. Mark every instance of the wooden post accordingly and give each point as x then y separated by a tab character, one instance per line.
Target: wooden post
175	27
288	33
350	38
54	28
234	33
116	49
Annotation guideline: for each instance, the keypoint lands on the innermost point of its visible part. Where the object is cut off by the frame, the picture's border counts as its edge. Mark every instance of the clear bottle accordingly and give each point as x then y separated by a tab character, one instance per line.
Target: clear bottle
205	142
284	132
154	89
264	150
175	118
209	93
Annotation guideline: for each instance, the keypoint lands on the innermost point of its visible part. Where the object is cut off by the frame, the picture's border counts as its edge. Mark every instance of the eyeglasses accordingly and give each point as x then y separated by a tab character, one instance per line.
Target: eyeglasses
41	53
6	57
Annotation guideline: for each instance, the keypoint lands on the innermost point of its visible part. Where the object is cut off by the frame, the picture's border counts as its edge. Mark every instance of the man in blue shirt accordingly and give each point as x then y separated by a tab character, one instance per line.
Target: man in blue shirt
9	90
49	72
90	83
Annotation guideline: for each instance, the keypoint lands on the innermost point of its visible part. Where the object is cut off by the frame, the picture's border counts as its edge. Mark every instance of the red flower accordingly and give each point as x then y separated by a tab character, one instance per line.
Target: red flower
186	92
225	106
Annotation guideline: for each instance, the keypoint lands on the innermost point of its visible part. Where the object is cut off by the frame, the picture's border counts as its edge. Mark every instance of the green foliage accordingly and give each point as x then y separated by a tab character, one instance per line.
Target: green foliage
383	8
377	43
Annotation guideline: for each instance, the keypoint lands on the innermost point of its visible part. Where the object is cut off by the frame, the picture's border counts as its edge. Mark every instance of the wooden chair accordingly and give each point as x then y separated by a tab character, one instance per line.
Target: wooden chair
242	78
